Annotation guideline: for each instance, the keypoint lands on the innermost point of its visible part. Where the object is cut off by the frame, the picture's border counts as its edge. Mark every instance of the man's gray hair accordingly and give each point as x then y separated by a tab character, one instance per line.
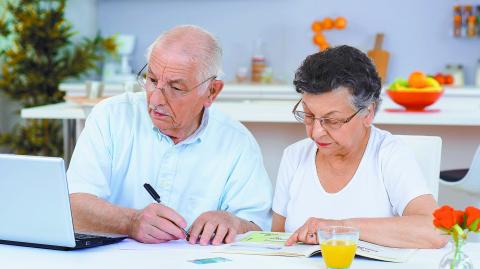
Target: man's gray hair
202	46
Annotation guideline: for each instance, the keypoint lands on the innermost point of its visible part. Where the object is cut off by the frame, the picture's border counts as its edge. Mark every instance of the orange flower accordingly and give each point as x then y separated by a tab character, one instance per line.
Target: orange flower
446	217
473	218
459	216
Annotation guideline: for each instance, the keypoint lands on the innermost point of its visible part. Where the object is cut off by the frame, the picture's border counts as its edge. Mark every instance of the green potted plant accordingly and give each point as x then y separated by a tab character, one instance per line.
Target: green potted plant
40	55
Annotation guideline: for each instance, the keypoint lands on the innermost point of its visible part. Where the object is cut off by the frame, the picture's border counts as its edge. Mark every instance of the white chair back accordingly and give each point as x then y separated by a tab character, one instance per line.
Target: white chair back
471	181
427	151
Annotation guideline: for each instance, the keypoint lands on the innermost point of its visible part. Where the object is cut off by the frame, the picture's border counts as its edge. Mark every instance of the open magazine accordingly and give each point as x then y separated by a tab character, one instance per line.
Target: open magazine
273	244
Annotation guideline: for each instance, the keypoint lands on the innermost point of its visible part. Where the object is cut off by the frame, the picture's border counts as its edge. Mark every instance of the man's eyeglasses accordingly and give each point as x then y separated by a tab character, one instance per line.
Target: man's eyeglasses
150	84
328	124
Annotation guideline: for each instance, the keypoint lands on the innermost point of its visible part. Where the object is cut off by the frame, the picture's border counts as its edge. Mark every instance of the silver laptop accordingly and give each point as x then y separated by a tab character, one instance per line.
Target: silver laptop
35	205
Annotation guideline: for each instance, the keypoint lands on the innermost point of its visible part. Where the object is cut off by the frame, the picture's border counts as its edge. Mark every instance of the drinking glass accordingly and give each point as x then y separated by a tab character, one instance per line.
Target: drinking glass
338	245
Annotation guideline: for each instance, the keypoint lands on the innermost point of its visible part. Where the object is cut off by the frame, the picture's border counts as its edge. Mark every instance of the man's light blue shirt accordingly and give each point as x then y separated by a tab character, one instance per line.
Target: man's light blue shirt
219	167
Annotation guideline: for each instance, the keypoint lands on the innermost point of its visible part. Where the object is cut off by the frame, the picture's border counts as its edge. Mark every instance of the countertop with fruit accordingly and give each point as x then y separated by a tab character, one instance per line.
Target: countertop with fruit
416	93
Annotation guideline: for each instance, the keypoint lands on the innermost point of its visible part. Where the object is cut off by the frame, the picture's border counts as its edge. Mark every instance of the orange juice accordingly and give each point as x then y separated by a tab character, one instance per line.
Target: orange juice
338	253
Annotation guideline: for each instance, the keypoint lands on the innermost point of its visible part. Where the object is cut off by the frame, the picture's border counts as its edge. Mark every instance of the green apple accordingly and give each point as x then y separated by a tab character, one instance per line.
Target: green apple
402	82
433	82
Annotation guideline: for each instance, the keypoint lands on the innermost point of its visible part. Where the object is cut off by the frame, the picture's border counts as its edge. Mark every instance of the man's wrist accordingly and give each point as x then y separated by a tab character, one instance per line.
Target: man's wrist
250	226
130	216
243	225
254	226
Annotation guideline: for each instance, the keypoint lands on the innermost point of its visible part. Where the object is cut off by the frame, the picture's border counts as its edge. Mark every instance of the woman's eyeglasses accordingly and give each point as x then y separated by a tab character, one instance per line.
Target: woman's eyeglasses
326	122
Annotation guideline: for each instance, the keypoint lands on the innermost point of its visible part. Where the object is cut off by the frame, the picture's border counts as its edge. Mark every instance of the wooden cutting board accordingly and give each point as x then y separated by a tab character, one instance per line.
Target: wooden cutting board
379	56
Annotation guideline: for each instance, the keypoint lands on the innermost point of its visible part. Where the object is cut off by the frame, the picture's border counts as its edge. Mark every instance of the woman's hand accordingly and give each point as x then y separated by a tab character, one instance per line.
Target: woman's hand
308	232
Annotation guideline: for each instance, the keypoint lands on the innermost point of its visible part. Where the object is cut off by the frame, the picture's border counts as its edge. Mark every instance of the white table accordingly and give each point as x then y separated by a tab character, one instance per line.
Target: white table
112	256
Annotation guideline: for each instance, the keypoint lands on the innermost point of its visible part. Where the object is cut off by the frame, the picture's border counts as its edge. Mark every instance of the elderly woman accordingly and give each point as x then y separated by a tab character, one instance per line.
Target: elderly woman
348	172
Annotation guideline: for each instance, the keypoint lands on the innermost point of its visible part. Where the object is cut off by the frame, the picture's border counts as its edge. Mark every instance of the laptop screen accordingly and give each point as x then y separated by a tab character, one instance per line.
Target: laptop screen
34	201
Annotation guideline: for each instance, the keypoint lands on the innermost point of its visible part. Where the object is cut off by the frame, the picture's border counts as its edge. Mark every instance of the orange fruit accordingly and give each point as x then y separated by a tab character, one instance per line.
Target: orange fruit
327	23
319	39
417	79
317	26
340	23
324	46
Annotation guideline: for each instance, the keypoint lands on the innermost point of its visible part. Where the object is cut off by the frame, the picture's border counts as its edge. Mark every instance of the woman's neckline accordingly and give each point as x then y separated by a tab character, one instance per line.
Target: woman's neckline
353	178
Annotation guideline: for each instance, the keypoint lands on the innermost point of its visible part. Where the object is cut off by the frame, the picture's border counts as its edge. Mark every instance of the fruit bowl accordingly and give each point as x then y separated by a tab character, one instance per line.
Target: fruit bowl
415	100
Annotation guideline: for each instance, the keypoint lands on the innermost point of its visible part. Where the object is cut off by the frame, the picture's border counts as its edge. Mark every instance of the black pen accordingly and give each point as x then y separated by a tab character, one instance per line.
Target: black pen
156	197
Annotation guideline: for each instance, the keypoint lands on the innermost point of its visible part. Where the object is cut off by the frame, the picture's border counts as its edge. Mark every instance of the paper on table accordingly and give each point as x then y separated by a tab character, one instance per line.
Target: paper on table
265	238
382	253
269	244
130	244
272	244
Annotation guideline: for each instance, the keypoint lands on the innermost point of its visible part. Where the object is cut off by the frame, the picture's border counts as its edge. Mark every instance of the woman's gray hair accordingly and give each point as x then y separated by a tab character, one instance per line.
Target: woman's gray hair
337	67
200	44
363	101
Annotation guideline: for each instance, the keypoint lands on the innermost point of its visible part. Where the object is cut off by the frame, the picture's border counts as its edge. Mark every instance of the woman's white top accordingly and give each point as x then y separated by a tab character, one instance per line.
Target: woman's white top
387	179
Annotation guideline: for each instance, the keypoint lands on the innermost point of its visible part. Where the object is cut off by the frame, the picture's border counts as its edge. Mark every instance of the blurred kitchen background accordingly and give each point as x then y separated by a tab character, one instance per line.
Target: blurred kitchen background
417	33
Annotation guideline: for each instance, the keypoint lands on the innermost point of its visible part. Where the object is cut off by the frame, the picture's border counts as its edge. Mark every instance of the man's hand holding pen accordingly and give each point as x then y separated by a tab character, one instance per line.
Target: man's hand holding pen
157	223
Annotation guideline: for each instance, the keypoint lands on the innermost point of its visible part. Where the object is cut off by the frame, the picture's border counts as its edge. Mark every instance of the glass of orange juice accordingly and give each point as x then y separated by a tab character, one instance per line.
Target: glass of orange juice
338	245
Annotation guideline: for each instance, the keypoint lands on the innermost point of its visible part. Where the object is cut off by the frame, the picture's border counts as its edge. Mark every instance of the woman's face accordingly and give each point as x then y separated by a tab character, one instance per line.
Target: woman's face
336	106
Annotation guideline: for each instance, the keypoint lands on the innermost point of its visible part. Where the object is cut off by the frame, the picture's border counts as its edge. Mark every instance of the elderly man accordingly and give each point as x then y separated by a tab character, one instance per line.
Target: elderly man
206	167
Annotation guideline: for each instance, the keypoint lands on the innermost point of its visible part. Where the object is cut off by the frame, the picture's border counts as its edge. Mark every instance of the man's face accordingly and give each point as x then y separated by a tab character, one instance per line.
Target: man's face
177	109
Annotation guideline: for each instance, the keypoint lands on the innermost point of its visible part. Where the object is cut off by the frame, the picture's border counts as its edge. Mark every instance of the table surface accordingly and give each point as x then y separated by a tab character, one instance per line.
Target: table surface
453	110
178	256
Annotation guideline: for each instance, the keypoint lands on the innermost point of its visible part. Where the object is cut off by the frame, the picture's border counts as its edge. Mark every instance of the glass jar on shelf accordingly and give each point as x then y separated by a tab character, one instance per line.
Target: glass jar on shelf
477	74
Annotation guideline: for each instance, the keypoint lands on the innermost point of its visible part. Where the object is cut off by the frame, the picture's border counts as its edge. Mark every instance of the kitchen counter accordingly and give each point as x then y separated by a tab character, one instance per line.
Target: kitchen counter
234	91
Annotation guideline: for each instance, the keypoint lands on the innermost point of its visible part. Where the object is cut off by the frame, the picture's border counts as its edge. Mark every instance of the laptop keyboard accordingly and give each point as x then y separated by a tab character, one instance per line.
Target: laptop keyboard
79	236
90	240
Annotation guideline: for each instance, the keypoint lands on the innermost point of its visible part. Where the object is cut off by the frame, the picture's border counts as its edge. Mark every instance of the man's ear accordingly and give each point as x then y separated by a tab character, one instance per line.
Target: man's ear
214	90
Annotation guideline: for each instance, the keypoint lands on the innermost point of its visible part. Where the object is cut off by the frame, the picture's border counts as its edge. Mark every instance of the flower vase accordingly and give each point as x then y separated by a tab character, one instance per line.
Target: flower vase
456	258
